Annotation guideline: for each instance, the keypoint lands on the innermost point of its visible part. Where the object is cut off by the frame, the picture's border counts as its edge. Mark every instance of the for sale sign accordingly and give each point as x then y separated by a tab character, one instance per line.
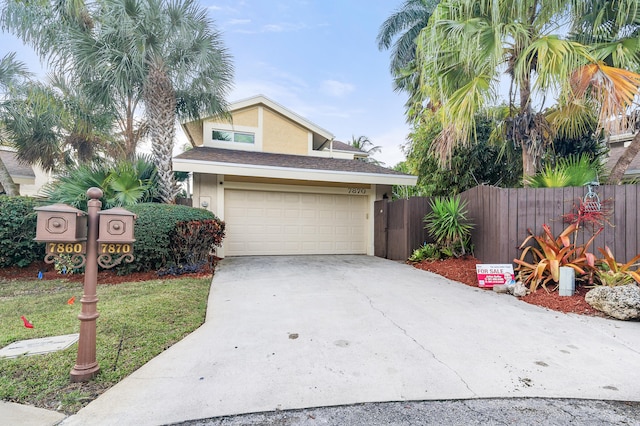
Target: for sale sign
496	274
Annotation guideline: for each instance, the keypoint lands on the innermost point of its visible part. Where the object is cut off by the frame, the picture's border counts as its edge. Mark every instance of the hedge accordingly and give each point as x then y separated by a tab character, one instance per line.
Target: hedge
17	231
155	230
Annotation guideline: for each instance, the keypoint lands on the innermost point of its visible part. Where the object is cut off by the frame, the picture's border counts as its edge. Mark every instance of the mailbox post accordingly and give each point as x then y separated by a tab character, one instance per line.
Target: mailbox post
67	230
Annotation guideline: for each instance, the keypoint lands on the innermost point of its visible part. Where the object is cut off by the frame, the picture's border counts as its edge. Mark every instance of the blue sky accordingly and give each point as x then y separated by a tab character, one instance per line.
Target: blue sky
318	58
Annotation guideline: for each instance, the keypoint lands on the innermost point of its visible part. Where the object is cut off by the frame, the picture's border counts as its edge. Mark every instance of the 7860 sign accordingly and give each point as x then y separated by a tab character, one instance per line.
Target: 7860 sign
66	248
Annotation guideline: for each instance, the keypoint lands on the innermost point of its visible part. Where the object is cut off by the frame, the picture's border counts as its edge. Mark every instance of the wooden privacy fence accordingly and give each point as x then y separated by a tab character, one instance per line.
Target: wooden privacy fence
503	216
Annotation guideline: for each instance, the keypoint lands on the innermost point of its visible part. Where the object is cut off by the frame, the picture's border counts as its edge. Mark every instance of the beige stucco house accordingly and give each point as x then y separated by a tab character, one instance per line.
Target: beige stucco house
281	183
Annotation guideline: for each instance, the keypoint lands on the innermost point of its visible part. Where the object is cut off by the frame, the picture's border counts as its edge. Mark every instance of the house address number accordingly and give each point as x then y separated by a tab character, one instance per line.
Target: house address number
114	248
66	248
357	191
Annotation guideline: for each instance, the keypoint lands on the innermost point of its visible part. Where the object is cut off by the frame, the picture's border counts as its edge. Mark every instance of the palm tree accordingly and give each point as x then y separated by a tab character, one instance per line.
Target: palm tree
469	44
13	73
399	33
613	30
365	145
162	55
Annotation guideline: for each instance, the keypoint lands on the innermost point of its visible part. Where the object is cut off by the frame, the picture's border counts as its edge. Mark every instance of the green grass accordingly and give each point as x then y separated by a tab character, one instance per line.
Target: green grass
141	319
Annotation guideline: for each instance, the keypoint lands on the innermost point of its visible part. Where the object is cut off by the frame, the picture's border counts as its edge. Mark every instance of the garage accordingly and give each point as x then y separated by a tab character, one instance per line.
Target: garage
285	223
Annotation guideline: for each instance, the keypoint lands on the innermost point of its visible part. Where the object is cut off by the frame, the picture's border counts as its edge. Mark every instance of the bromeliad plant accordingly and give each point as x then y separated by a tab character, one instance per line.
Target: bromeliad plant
612	273
551	254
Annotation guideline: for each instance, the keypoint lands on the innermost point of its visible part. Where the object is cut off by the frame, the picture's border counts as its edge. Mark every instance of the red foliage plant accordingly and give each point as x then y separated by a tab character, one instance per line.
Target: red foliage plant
584	214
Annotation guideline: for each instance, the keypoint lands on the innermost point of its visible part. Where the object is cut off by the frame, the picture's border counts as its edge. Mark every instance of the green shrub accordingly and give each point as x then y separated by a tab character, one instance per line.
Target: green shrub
17	231
428	251
154	227
448	225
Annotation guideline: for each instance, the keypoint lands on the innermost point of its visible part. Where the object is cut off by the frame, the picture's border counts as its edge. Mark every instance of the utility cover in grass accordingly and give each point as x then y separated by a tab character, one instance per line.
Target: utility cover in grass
39	346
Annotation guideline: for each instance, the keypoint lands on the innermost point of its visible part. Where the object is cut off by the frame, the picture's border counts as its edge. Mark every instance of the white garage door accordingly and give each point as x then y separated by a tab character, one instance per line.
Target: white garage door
279	223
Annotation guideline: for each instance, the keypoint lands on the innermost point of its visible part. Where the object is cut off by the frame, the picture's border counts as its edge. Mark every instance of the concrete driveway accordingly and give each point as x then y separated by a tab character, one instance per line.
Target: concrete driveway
308	331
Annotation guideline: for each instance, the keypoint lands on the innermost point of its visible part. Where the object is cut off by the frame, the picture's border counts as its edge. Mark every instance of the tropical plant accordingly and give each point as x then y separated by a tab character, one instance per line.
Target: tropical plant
550	255
365	145
13	74
611	272
399	33
480	163
123	183
447	223
427	251
466	47
612	28
160	54
568	171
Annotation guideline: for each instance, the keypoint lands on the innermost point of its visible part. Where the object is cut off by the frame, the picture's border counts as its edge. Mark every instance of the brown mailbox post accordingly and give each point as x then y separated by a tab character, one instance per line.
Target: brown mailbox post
67	230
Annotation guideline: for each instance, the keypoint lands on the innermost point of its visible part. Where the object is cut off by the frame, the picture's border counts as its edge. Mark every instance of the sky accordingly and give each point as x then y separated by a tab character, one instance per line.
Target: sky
317	58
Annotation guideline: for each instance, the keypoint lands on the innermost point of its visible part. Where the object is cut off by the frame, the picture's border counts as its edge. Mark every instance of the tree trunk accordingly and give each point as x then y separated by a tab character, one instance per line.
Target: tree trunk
9	186
160	103
528	162
617	173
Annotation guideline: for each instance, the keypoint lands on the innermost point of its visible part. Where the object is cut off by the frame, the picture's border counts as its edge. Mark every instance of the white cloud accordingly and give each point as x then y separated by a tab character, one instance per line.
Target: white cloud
239	21
337	88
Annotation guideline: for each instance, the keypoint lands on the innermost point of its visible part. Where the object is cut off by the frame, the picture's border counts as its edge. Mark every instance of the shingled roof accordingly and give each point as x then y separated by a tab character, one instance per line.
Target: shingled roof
254	158
341	146
16	169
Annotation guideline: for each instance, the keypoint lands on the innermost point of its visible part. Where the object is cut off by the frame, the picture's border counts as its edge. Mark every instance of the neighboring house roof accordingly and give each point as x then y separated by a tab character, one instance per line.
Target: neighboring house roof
616	150
341	146
265	164
20	173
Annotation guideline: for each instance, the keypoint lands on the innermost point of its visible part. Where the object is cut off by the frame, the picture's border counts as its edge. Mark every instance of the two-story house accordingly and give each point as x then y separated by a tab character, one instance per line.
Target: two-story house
281	184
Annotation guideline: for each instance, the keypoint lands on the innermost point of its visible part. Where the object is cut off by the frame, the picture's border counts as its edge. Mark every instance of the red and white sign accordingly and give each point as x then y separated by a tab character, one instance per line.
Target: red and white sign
496	274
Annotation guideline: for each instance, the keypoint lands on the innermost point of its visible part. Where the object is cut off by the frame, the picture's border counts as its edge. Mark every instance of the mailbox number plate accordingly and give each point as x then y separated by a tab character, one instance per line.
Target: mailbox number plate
66	248
115	248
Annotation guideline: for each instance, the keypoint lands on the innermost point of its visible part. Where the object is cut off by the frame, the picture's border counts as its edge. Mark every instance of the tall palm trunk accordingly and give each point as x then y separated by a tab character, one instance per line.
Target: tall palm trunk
528	150
617	173
160	104
10	188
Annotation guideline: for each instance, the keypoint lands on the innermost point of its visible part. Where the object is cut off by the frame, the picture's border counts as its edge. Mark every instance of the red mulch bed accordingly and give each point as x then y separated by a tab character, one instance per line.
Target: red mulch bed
464	270
104	276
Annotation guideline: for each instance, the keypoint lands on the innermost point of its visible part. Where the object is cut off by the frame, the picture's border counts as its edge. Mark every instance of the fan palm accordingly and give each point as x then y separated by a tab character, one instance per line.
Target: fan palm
13	74
160	54
398	33
365	145
469	44
613	29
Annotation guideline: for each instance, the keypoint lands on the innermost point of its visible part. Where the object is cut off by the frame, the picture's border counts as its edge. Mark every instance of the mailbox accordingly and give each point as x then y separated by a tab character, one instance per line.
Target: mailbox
115	235
61	223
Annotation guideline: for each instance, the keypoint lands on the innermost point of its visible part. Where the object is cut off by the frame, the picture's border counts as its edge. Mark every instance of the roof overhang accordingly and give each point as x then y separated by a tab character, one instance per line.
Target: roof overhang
262	171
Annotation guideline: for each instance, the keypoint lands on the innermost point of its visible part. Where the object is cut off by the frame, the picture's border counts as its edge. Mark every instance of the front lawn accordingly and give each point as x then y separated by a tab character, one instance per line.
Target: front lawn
138	320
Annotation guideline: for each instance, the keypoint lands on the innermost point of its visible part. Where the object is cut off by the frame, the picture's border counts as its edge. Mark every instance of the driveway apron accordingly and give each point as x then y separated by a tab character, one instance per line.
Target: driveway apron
292	332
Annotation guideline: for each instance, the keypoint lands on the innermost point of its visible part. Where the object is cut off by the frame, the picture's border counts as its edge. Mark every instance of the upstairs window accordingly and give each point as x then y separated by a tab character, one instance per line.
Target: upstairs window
228	136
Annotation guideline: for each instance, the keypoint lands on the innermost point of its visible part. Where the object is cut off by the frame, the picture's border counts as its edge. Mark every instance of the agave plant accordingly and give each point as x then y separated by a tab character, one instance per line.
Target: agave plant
551	254
613	273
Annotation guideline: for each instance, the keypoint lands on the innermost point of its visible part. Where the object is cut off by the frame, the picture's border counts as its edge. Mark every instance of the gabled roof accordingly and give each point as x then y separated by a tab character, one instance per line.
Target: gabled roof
265	164
261	99
20	173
